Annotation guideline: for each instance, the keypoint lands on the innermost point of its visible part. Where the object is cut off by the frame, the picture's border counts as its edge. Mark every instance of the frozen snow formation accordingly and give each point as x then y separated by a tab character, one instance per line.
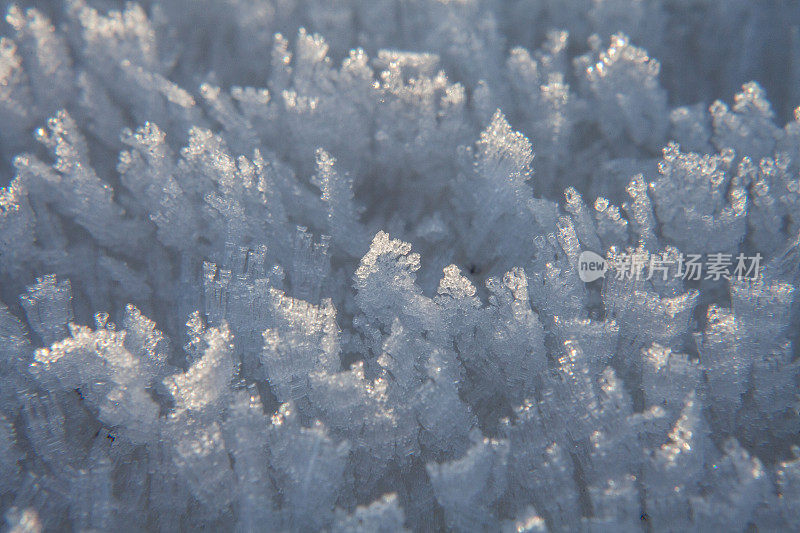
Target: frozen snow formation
315	265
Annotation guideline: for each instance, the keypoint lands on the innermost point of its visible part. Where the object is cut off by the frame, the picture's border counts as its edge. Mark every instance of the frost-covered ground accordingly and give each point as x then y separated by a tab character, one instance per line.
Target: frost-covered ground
274	265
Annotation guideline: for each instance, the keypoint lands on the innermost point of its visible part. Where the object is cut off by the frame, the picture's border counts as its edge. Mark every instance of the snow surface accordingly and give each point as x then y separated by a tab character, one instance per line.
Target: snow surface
300	265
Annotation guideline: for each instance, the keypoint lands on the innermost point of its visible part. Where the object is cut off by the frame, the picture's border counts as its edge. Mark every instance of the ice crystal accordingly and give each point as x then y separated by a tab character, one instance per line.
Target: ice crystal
276	265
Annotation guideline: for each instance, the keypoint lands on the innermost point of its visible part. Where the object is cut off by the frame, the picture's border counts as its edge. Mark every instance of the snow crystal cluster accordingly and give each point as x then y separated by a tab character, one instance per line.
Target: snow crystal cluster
301	265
